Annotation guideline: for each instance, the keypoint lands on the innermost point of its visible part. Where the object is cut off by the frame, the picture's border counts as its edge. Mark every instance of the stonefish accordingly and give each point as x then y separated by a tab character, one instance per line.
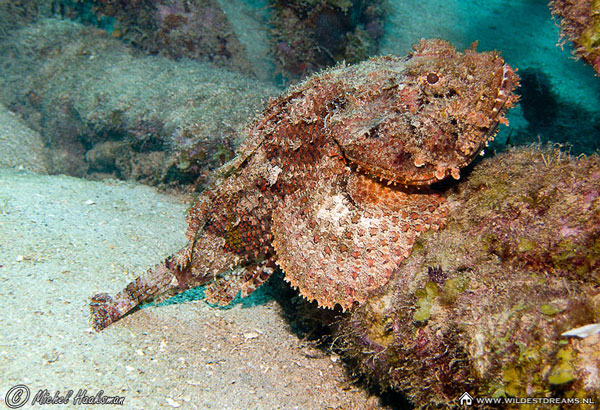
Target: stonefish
332	182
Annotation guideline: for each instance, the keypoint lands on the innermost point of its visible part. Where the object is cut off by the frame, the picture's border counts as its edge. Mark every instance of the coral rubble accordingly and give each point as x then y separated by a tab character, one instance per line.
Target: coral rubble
104	110
481	305
331	183
580	23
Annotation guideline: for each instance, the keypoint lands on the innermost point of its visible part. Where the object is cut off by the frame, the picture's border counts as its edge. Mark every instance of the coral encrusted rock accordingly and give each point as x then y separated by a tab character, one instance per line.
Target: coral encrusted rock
311	35
332	181
504	301
580	23
195	29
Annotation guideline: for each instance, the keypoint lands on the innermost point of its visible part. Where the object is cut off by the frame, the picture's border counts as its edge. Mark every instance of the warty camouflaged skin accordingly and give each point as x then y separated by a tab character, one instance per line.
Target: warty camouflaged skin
332	181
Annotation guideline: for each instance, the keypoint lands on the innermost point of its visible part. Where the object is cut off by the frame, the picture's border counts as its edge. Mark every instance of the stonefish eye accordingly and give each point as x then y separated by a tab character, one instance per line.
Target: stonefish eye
432	78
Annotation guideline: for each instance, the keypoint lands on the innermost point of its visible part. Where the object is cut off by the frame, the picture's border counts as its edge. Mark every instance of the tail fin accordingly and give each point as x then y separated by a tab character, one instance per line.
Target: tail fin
162	278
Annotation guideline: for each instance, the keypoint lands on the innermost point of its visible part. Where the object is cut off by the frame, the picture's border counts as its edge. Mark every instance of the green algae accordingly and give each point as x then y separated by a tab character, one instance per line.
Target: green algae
564	370
550	310
453	288
425	299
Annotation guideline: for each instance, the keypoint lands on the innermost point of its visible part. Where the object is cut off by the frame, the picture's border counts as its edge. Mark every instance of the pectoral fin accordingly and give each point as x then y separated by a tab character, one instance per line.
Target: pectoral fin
342	237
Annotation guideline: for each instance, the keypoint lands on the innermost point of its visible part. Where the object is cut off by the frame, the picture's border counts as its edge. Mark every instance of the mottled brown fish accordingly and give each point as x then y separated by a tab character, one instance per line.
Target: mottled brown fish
332	182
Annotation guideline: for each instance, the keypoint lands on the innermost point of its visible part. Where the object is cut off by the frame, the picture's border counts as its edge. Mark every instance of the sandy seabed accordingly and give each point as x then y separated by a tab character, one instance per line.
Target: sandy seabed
63	239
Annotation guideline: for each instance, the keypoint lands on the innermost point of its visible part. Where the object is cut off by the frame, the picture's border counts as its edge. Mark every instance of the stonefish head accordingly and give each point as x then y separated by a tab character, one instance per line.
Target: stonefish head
415	121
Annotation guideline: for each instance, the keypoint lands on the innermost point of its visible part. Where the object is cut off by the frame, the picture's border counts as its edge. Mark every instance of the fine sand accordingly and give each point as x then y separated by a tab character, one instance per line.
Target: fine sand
63	239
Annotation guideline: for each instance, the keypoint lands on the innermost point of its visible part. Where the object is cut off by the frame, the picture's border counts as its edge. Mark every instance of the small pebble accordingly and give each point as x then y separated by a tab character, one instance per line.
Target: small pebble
251	335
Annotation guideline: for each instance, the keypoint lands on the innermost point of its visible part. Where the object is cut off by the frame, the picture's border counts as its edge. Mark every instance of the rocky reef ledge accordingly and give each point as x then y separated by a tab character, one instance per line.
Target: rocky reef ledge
502	302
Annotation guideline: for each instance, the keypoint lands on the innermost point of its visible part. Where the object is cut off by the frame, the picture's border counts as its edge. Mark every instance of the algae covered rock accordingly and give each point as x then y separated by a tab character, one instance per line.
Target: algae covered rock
194	29
485	305
105	110
311	35
580	23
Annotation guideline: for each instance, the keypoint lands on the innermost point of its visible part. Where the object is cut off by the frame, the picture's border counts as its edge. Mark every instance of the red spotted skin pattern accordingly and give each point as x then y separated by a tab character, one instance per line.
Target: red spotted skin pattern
331	184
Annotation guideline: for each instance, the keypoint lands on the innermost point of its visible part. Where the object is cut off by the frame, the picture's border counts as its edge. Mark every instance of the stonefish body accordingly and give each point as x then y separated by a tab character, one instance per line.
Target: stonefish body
332	181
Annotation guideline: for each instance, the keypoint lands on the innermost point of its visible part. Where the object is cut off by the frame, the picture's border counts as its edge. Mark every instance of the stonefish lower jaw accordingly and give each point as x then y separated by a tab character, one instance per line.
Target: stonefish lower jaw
323	186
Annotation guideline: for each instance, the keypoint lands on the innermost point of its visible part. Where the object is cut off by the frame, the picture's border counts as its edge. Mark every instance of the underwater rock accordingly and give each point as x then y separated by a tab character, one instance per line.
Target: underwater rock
483	306
331	183
85	92
195	29
20	147
309	36
580	23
